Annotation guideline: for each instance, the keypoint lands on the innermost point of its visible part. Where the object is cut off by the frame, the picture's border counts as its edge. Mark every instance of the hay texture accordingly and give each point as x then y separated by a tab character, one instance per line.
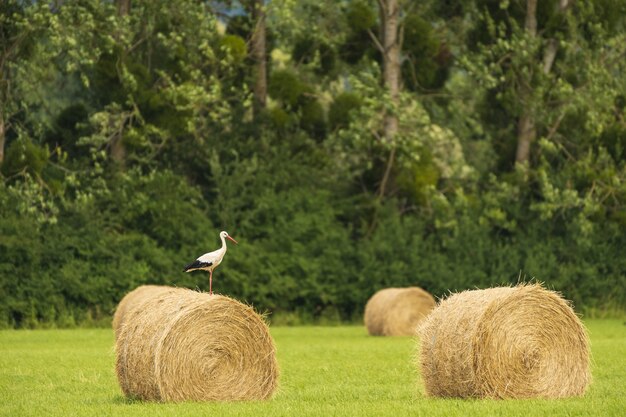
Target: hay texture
184	345
508	342
132	299
397	311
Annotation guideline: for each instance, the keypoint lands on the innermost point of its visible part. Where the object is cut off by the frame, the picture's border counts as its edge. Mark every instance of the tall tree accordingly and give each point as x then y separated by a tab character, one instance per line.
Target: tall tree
259	56
390	25
117	148
12	41
390	15
526	130
2	133
526	126
123	7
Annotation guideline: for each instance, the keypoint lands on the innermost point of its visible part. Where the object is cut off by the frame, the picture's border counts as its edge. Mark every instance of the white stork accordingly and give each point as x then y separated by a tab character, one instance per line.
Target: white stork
210	261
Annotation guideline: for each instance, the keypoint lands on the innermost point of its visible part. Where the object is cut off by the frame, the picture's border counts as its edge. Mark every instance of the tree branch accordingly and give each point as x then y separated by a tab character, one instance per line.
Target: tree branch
382	5
555	126
379	46
383	184
549	55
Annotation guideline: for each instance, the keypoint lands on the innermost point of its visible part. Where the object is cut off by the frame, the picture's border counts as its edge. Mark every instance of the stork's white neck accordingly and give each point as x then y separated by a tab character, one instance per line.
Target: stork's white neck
224	247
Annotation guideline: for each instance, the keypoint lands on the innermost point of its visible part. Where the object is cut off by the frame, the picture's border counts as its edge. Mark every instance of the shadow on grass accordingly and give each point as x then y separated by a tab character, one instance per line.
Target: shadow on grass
120	399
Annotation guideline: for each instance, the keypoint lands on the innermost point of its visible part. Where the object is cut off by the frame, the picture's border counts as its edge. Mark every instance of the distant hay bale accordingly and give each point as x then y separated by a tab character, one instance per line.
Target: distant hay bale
507	342
397	311
133	298
184	345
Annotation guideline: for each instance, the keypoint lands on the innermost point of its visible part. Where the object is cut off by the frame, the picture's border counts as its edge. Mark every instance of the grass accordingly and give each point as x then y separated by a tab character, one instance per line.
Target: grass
325	371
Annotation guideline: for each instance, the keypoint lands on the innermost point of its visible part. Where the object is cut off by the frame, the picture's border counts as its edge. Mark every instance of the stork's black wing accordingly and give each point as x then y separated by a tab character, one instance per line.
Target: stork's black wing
197	265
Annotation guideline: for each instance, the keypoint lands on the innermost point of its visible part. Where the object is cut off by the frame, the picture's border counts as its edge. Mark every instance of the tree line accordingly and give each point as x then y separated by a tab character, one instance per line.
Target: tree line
349	145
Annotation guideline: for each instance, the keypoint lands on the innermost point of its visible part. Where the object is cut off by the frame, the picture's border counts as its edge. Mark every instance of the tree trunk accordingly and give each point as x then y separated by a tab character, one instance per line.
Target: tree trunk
2	137
549	54
117	149
390	16
526	126
123	7
258	52
526	134
531	17
526	130
391	61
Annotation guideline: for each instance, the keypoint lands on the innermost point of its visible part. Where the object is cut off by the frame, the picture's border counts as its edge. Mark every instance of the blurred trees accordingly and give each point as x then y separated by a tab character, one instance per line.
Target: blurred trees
348	145
16	47
258	50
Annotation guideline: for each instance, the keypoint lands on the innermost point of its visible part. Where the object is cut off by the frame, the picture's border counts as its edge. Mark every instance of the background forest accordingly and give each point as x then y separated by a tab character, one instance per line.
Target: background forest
347	145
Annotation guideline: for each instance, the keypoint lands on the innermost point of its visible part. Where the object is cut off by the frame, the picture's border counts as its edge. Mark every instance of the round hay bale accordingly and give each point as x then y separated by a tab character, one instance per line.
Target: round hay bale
184	345
131	299
397	311
506	342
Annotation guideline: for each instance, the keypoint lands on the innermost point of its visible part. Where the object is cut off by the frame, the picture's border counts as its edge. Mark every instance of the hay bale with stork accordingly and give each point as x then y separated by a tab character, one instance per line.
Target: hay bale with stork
132	299
183	345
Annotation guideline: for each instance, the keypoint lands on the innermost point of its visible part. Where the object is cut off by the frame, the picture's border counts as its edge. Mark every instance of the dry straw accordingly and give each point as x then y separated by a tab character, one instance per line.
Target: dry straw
184	345
508	342
133	298
397	311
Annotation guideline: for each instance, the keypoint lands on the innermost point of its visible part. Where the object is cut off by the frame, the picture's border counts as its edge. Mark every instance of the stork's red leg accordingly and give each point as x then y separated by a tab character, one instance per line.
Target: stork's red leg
211	282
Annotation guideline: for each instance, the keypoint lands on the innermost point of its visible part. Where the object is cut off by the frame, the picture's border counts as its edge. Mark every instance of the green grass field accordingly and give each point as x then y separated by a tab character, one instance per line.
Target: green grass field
325	371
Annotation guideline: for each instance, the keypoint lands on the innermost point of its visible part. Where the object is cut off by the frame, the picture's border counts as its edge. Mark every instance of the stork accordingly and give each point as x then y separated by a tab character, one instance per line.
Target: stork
210	261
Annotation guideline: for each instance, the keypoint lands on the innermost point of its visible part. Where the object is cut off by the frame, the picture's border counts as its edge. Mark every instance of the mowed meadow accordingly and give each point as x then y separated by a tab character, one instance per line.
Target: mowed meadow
324	371
348	147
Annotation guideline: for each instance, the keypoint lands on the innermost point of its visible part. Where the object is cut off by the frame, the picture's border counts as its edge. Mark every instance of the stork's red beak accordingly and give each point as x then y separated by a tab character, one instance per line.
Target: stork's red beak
228	237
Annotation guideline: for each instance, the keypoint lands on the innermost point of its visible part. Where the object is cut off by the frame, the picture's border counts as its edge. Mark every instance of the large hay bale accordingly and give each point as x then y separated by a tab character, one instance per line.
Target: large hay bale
132	299
508	342
184	345
397	311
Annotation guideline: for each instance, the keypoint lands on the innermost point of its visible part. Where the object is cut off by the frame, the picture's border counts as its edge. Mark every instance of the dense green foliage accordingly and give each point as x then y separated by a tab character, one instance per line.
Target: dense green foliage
130	141
337	371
